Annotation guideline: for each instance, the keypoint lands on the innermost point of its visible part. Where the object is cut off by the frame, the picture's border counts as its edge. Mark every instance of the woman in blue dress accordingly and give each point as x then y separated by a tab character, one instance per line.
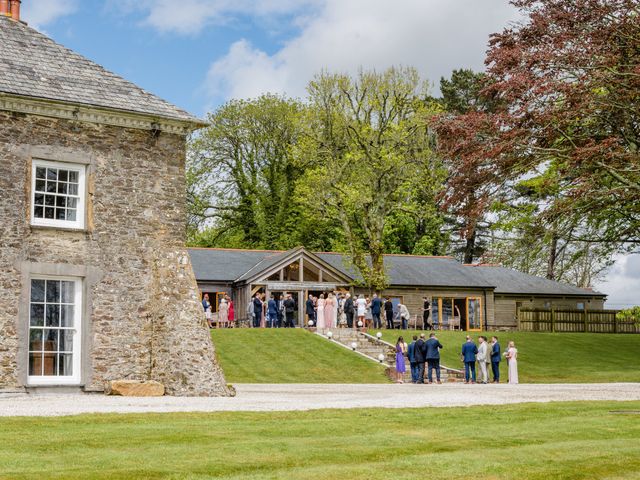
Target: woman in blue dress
401	349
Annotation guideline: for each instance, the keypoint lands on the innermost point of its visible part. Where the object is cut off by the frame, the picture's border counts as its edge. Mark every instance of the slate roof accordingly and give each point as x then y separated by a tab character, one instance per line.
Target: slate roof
410	270
219	265
508	281
210	264
33	65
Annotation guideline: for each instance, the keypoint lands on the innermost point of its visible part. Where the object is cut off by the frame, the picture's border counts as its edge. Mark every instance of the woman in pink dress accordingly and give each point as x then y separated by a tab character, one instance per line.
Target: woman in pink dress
320	323
231	312
330	311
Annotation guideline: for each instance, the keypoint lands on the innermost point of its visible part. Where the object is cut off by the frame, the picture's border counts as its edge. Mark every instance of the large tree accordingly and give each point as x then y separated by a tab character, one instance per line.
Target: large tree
242	178
469	188
567	79
368	154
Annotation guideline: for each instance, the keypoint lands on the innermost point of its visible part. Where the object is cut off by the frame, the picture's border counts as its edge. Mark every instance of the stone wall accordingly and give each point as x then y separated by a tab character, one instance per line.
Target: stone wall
144	320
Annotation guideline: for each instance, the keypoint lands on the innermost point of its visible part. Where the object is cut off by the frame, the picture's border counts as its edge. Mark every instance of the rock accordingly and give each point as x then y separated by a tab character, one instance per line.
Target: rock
135	388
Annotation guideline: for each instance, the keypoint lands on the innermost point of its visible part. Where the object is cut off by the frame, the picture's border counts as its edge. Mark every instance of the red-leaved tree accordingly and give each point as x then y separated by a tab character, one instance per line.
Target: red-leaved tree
568	81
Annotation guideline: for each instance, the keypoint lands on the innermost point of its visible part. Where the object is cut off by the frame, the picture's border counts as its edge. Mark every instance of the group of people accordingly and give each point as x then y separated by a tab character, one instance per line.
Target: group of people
276	312
226	312
421	352
338	309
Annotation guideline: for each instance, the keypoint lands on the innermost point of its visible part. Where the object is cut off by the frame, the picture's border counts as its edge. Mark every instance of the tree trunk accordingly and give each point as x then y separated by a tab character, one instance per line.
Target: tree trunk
553	256
470	247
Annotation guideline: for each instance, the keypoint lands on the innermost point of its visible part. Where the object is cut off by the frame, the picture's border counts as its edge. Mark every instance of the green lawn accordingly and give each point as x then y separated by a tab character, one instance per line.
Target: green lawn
554	357
530	441
289	356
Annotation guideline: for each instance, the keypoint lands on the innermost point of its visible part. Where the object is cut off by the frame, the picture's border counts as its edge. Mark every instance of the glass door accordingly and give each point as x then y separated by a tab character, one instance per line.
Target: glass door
54	331
474	314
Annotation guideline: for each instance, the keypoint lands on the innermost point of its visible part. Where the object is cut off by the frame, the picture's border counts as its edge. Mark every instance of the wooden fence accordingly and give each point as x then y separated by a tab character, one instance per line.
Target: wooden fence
591	321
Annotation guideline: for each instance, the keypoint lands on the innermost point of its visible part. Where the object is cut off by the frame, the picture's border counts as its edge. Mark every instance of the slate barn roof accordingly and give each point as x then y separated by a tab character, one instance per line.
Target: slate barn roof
229	266
33	65
508	281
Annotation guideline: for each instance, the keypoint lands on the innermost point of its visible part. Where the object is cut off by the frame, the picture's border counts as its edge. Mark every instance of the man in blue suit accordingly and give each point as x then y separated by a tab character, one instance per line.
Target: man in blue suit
272	312
469	352
433	347
495	359
376	309
411	353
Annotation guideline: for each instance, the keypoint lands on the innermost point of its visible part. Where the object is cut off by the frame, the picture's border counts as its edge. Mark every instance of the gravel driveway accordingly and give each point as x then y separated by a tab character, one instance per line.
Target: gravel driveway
283	397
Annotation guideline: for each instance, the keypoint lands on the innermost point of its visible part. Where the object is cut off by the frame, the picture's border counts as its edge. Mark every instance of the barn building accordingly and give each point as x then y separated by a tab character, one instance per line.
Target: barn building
478	296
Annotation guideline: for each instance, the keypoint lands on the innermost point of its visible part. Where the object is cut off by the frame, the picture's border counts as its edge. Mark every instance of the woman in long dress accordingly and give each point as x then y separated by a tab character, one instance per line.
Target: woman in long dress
361	305
223	313
232	313
400	365
320	321
512	360
368	316
330	311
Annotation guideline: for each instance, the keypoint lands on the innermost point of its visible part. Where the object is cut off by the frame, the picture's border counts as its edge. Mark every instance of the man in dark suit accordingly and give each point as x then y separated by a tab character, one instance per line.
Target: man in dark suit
495	359
419	353
388	310
426	311
469	352
432	356
411	354
289	309
311	309
376	309
257	311
348	310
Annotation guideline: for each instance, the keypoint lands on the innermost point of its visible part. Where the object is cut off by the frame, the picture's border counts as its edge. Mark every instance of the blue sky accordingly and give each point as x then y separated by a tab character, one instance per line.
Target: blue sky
199	53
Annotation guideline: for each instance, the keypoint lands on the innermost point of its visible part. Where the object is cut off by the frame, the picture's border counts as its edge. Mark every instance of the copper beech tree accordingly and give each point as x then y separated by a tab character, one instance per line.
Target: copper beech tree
568	83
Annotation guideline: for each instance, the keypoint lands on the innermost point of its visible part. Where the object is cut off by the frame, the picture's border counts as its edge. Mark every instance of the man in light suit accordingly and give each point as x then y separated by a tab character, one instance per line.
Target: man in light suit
495	359
469	352
482	359
433	347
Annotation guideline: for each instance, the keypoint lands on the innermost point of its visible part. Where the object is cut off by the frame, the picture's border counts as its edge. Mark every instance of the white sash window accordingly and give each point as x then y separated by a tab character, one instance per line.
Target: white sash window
54	331
58	194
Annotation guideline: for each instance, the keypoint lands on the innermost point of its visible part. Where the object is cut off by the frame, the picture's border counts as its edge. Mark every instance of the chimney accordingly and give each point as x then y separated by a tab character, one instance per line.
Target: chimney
10	8
15	9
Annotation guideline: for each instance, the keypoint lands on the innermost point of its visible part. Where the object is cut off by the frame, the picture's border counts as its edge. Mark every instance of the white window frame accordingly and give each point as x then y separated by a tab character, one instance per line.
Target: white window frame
79	222
75	378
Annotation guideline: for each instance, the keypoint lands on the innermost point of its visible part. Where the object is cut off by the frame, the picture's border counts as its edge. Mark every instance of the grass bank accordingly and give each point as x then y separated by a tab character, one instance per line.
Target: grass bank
530	441
289	356
554	357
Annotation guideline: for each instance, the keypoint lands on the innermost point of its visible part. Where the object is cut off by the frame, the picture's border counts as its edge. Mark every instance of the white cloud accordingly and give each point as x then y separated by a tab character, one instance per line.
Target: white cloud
191	16
435	36
622	283
39	13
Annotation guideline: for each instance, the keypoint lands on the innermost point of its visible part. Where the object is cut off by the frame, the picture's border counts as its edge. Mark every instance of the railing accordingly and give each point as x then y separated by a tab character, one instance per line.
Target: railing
574	321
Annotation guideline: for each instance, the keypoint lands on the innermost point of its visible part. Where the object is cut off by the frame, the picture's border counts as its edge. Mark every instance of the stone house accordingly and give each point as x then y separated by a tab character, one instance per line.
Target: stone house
95	281
477	297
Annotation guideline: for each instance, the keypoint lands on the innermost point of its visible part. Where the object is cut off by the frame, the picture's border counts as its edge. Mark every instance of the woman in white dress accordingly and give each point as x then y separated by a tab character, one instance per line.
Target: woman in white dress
512	360
320	312
361	306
